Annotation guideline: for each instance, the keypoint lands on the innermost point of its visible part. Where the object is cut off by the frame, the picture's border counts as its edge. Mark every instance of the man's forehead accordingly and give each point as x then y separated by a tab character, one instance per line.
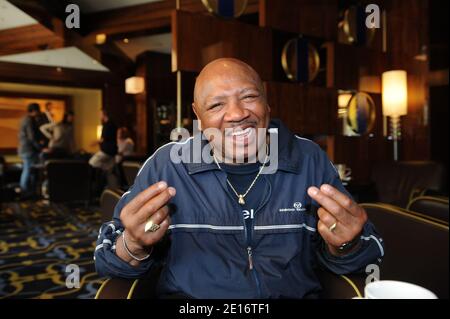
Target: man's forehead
226	80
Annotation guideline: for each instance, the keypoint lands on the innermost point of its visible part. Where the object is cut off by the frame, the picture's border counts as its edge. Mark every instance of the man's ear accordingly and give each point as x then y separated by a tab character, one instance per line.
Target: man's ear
198	118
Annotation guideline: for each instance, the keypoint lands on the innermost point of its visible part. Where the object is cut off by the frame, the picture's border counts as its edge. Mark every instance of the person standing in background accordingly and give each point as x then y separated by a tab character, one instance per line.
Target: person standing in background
29	147
104	158
48	112
42	119
61	138
125	145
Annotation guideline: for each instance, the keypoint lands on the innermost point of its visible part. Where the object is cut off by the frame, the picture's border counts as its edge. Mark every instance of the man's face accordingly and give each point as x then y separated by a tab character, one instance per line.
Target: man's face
232	100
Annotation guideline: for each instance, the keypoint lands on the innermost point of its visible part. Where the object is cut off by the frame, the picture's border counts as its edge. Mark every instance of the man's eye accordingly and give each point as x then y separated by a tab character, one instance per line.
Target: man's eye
250	97
214	106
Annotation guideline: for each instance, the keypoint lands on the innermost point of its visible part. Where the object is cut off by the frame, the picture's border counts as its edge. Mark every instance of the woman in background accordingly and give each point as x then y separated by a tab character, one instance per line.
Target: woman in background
125	145
61	138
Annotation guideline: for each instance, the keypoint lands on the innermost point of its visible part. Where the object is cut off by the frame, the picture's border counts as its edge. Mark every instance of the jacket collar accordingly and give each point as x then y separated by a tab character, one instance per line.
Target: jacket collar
289	152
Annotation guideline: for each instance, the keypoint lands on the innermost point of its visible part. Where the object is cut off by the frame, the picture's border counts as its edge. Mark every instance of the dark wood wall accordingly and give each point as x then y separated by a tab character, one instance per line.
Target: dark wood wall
310	109
438	104
406	36
198	39
160	88
258	38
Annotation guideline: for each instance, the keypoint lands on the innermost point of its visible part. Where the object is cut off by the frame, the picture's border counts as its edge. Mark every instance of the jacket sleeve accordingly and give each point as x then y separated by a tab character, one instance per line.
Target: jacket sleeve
107	263
372	246
31	135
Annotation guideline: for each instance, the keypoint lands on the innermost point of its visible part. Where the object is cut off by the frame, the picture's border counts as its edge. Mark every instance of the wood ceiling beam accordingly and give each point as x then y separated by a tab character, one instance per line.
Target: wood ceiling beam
134	20
28	38
50	24
38	74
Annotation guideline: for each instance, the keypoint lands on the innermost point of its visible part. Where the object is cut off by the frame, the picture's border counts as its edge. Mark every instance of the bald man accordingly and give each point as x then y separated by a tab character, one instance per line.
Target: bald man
225	227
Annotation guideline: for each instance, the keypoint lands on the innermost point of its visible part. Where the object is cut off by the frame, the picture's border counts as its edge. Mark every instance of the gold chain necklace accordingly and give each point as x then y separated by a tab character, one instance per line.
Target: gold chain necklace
241	197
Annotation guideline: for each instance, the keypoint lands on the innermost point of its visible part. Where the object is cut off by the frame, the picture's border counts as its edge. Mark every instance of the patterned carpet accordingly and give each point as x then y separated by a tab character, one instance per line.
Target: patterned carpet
38	241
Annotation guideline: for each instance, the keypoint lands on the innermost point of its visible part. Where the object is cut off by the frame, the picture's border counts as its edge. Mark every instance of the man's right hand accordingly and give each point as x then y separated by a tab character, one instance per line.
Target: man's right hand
149	204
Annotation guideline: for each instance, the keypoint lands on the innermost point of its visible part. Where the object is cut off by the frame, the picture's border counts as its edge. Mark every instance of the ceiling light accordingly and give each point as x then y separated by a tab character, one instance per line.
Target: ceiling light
100	38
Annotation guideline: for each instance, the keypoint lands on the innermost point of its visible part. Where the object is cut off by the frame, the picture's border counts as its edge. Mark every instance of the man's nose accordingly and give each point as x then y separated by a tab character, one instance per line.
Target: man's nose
236	112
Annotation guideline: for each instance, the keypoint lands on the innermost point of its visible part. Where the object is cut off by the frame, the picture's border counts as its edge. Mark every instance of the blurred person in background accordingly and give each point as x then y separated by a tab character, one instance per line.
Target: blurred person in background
104	158
61	138
29	148
125	145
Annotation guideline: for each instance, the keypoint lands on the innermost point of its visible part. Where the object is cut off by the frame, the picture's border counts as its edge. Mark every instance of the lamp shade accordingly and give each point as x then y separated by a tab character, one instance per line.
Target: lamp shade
395	93
343	99
134	85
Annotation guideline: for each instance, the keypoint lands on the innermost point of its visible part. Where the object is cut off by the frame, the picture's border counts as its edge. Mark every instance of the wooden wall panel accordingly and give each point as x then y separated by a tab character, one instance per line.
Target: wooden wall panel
199	39
351	64
360	153
145	18
305	110
407	25
348	66
311	17
415	143
160	88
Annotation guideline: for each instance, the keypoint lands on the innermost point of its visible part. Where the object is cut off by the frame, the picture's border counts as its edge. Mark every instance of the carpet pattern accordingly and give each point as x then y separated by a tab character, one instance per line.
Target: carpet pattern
37	243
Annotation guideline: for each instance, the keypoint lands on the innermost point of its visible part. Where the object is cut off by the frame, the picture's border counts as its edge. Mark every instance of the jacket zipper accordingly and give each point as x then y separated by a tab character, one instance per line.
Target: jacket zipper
250	258
251	267
247	239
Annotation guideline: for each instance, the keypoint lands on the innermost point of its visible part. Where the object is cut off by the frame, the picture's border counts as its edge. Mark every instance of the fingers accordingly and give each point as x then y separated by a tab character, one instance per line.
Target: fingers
342	199
341	230
328	203
340	209
154	204
326	217
151	238
159	215
143	197
328	235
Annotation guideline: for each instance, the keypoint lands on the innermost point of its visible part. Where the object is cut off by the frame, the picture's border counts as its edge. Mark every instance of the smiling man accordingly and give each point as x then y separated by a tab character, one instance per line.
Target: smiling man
235	230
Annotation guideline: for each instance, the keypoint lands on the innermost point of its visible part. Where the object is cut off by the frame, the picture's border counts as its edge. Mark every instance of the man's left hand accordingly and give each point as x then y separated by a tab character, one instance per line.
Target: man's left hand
340	218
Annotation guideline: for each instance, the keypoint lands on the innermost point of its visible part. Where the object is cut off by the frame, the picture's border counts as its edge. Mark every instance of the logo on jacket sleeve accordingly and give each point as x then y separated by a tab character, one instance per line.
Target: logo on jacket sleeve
296	207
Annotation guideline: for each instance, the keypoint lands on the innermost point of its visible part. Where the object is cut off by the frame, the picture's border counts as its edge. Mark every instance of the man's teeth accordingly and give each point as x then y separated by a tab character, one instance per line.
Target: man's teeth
243	132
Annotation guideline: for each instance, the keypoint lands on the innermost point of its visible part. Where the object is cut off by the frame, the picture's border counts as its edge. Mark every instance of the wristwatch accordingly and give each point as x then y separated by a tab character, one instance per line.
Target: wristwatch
349	245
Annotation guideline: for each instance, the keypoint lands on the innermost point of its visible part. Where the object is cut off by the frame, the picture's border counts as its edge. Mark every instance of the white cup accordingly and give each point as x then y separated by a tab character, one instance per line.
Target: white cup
390	289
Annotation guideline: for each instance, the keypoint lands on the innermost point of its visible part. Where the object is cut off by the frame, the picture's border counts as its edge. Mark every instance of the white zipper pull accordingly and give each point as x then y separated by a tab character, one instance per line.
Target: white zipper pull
250	258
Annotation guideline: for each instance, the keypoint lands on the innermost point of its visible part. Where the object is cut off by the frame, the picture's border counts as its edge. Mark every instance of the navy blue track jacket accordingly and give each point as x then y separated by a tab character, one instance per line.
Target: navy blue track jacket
209	247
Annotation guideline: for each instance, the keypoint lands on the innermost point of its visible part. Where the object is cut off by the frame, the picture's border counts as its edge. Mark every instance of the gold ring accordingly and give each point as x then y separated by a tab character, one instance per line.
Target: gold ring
151	226
333	227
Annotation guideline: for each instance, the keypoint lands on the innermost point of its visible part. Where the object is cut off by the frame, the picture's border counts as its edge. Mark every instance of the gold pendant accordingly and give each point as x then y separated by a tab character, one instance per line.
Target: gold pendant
241	200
